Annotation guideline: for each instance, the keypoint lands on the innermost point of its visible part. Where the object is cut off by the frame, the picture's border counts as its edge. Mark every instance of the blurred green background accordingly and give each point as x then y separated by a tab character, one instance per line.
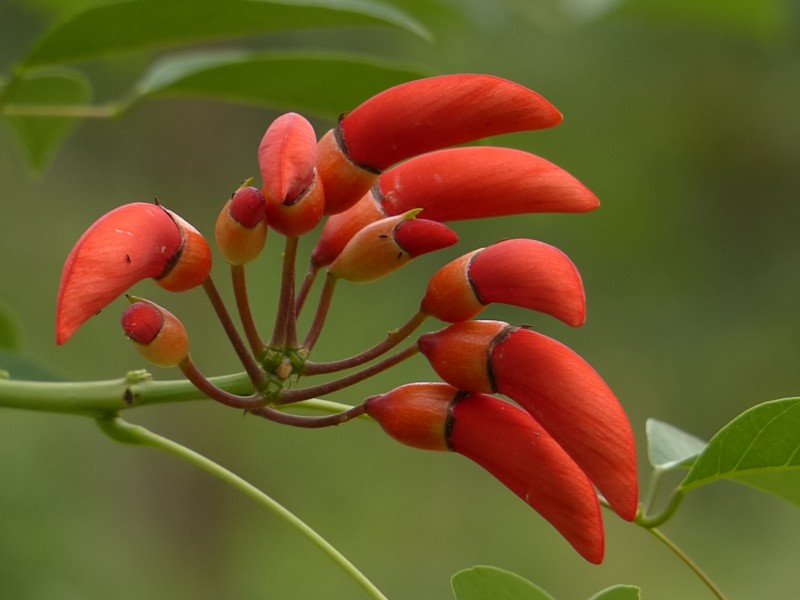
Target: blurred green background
682	116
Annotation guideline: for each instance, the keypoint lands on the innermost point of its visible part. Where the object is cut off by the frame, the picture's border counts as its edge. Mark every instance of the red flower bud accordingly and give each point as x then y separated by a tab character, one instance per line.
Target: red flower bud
287	156
159	336
457	184
519	272
387	245
420	116
130	243
241	228
556	386
508	443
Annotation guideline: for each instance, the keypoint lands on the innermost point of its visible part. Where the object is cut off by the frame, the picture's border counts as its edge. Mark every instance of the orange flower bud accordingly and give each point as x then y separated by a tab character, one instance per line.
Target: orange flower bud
157	334
241	228
420	116
387	245
508	443
131	243
287	156
556	386
519	272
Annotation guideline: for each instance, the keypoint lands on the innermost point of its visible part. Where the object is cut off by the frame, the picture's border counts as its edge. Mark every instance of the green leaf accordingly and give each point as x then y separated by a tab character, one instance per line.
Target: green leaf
619	592
321	84
43	91
669	447
132	25
19	366
10	337
491	583
760	448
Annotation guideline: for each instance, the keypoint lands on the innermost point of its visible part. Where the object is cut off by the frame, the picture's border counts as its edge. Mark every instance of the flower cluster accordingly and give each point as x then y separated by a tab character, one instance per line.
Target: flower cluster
385	180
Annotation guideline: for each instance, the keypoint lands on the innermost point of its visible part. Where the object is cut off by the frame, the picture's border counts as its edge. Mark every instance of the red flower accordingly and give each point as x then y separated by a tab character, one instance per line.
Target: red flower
287	157
419	116
556	386
507	442
460	183
519	272
131	243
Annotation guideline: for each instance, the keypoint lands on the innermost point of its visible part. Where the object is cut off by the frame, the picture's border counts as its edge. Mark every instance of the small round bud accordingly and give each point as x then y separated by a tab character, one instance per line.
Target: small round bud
157	334
241	228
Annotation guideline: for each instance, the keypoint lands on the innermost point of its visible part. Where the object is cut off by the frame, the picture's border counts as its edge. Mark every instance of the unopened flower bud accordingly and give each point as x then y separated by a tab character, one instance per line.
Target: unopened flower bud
241	228
287	156
157	334
388	244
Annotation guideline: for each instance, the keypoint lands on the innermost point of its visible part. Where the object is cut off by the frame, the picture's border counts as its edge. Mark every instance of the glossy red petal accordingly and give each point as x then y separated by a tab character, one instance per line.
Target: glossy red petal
532	275
479	182
157	334
573	403
512	446
128	244
287	156
437	112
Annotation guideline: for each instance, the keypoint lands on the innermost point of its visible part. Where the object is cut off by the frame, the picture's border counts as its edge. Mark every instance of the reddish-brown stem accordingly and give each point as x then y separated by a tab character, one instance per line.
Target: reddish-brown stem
392	339
202	383
239	282
273	414
322	311
285	331
305	287
289	396
257	376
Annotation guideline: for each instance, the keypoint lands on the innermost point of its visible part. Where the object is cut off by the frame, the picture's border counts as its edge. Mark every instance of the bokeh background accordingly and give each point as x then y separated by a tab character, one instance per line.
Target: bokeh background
682	116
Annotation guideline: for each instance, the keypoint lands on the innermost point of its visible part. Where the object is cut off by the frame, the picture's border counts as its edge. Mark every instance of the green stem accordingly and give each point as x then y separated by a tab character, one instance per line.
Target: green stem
127	433
99	398
687	561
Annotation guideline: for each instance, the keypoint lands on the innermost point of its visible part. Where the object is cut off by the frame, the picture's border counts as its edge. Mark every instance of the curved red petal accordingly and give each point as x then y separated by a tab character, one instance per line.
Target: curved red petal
532	275
287	156
512	446
479	182
130	243
573	403
437	112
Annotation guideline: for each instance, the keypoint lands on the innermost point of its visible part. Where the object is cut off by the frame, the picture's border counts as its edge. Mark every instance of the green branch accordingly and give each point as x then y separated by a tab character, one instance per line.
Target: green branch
127	433
99	399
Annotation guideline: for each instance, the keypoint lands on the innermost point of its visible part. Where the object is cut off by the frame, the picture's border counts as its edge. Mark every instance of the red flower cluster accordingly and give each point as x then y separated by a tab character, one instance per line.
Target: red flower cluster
388	178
